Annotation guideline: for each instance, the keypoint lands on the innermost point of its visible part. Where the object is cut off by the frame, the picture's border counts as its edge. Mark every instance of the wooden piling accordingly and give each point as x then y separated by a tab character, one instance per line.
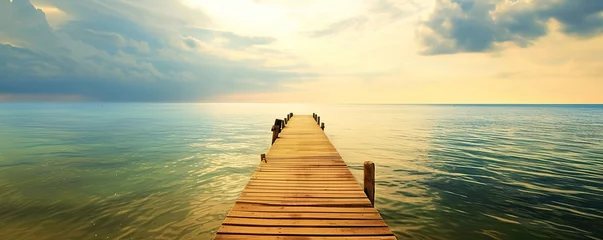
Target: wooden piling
369	181
275	130
318	120
322	125
279	123
263	158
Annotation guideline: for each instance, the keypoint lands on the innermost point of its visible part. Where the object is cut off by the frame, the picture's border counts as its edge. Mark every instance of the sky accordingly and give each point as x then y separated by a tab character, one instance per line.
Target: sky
337	51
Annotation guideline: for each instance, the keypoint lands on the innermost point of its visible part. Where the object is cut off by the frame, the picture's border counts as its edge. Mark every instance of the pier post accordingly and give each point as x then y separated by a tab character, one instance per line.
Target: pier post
279	123
318	120
369	181
322	125
286	121
263	158
275	130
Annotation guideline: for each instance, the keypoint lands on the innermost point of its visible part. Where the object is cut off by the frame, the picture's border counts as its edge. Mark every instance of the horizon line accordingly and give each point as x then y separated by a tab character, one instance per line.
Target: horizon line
308	103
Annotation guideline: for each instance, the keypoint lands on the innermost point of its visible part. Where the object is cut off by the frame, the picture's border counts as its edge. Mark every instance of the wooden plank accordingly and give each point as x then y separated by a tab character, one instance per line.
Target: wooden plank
270	190
306	162
304	222
337	231
304	173
307	203
306	179
305	195
329	182
281	209
221	236
303	188
294	173
304	215
305	199
302	169
293	167
303	185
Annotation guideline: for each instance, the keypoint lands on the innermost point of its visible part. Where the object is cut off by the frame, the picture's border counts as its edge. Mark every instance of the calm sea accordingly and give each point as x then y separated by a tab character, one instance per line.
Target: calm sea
172	171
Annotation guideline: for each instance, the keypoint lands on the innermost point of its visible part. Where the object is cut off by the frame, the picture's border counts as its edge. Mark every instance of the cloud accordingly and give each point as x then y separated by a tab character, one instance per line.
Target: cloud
229	39
190	42
395	10
484	25
115	50
336	27
374	15
21	23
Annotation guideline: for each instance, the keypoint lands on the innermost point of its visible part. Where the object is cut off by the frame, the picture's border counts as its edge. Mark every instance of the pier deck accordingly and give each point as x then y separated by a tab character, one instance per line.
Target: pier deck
304	190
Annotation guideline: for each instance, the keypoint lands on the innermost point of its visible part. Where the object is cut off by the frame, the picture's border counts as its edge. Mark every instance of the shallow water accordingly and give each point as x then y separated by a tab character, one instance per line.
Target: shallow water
172	171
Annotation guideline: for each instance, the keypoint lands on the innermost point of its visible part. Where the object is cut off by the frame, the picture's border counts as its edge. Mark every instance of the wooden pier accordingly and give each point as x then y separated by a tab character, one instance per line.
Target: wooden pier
304	190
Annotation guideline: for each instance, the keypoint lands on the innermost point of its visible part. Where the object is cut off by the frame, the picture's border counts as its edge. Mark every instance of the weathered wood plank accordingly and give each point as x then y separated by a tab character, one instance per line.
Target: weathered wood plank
289	237
307	203
303	173
337	231
282	209
302	181
304	215
305	191
302	200
304	195
304	222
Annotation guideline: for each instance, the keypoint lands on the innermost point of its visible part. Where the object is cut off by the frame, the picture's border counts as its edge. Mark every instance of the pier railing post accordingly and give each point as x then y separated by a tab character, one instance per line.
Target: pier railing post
279	123
275	130
263	158
369	181
318	120
322	125
286	121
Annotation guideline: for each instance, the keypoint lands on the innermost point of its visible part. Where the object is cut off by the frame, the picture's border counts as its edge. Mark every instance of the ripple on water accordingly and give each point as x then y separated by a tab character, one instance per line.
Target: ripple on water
173	171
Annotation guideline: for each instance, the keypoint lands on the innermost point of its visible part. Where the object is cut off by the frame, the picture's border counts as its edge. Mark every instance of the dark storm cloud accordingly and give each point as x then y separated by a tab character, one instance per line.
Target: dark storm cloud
478	25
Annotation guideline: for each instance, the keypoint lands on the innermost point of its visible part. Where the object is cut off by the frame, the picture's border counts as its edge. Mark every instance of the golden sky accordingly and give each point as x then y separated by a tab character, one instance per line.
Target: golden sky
374	51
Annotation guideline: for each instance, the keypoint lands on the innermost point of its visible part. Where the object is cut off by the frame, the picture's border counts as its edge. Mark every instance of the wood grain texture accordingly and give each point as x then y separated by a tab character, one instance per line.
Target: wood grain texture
303	191
285	237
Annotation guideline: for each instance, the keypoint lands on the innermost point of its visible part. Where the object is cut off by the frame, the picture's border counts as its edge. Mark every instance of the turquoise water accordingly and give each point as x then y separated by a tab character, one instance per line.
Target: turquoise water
172	171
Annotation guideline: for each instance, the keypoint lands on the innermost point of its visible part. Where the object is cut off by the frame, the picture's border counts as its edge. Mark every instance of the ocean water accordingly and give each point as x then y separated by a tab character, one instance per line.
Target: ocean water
172	171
